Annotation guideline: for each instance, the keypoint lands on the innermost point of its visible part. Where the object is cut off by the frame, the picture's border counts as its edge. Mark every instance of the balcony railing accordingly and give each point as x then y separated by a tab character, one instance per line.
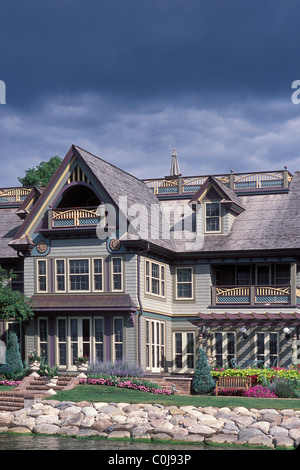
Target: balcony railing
237	182
251	295
74	217
11	195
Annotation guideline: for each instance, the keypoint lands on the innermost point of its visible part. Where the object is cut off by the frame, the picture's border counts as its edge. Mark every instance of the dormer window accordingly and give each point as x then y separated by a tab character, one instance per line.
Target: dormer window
212	217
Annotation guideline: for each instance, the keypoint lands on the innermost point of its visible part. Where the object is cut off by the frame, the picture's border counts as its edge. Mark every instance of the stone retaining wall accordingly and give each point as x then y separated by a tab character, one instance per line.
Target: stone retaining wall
266	427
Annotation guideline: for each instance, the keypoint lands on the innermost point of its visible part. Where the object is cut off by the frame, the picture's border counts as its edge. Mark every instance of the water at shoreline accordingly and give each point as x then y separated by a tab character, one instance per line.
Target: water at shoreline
32	442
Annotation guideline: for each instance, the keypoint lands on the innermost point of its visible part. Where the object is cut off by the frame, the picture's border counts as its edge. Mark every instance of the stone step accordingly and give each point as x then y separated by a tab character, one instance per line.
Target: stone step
10	402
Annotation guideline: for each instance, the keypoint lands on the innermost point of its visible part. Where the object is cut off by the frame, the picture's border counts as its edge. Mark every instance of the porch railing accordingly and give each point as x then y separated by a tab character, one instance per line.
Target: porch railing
251	295
74	217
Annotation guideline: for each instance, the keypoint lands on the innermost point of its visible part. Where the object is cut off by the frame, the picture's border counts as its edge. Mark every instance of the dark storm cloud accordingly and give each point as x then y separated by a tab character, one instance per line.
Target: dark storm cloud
130	80
140	48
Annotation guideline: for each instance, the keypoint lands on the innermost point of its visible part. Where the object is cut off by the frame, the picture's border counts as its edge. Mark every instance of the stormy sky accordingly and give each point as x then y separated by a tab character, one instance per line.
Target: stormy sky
129	80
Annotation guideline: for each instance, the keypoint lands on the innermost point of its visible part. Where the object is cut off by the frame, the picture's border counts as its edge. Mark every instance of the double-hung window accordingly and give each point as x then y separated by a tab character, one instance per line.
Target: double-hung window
79	277
117	281
155	278
42	275
98	274
184	283
118	338
60	267
212	217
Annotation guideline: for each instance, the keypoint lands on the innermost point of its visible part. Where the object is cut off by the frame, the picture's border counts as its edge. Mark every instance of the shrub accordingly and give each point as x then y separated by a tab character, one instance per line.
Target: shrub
117	369
284	388
13	367
202	382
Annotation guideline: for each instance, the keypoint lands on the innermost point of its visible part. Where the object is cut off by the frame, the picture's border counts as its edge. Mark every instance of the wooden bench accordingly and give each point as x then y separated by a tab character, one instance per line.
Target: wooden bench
233	383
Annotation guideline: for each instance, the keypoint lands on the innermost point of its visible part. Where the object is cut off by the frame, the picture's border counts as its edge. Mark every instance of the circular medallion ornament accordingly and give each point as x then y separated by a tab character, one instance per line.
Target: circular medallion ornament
42	247
114	244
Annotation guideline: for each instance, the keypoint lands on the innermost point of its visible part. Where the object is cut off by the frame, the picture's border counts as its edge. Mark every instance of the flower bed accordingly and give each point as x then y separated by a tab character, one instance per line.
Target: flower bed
259	392
258	375
124	384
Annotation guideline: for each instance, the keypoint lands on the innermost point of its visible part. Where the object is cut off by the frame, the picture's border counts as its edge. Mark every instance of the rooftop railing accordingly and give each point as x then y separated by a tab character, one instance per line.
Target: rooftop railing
235	181
11	195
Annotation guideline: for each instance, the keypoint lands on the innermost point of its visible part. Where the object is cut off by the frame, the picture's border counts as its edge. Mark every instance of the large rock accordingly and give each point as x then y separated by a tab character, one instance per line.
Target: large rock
262	440
6	418
73	419
119	435
101	424
203	430
20	430
248	433
221	439
283	441
46	429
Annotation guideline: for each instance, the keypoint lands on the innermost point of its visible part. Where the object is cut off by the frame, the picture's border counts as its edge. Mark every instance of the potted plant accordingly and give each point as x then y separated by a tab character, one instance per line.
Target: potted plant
34	361
82	363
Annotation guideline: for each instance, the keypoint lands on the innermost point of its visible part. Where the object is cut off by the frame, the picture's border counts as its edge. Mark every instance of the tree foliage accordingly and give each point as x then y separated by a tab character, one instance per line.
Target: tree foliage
41	174
13	304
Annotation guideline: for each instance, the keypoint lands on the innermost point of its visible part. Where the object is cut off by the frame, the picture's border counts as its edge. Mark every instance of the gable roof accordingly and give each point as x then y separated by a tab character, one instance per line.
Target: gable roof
270	222
9	226
225	192
117	184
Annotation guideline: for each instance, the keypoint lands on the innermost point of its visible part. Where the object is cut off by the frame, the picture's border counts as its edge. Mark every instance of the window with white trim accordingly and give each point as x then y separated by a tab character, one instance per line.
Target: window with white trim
117	275
212	217
98	275
99	338
224	346
267	348
60	274
118	338
43	337
79	275
155	345
155	278
184	351
62	341
184	283
42	282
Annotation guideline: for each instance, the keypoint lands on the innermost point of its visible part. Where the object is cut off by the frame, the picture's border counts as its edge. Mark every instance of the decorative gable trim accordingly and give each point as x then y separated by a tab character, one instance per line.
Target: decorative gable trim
228	197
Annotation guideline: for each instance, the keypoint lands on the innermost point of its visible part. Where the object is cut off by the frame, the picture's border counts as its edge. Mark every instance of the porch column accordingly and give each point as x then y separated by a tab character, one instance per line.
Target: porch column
293	298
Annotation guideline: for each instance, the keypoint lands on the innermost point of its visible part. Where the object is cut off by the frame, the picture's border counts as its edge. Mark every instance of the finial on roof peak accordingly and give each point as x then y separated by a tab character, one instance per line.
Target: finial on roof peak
174	165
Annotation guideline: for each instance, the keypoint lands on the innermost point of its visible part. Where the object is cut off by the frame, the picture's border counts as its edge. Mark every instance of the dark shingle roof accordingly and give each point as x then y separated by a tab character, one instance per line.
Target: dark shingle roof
9	224
118	184
270	222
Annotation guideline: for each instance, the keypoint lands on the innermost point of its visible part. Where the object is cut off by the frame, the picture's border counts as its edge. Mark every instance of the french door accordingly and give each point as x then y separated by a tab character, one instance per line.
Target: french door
155	345
80	339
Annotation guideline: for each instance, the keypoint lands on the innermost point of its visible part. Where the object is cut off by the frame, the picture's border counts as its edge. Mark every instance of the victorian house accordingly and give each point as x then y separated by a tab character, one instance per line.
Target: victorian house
120	268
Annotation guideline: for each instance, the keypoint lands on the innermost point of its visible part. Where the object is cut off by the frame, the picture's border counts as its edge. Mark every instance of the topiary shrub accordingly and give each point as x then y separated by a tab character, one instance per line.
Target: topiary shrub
202	382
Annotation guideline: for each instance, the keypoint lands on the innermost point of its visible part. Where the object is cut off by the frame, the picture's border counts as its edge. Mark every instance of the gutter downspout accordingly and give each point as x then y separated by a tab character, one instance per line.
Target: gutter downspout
139	300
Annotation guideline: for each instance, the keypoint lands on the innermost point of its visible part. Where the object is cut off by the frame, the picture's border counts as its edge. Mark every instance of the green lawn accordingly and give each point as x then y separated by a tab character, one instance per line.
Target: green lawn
108	394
